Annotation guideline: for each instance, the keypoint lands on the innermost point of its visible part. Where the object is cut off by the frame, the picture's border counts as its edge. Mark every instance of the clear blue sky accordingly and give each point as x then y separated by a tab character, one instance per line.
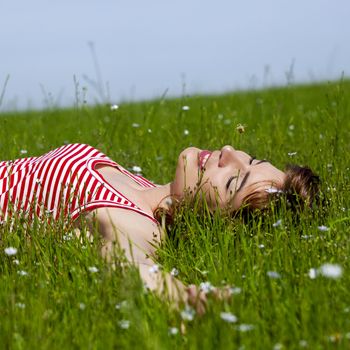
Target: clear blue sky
147	47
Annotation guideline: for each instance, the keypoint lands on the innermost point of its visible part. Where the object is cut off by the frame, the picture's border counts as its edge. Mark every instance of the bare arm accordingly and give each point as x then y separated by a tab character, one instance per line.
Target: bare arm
134	234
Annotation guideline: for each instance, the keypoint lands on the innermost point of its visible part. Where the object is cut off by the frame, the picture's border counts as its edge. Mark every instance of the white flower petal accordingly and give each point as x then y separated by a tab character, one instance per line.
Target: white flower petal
124	324
228	317
331	271
188	314
273	190
173	331
206	287
22	273
136	169
235	290
174	272
277	223
306	236
121	305
93	269
273	274
244	327
312	273
10	251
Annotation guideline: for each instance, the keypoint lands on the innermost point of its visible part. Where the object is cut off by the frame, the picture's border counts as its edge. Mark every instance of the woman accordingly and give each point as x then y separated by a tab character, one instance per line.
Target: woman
79	181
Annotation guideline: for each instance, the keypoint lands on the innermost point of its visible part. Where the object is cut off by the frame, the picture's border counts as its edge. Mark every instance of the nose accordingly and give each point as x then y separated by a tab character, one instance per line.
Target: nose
229	156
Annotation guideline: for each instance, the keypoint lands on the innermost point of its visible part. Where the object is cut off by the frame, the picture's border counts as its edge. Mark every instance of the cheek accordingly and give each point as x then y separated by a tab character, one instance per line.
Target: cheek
214	192
214	199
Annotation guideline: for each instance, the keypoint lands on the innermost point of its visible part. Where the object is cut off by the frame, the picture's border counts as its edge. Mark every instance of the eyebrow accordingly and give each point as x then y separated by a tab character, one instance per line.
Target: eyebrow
261	161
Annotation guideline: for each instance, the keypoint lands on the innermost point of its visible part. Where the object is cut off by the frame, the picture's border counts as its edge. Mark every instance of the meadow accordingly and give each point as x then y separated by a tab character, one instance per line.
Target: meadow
290	278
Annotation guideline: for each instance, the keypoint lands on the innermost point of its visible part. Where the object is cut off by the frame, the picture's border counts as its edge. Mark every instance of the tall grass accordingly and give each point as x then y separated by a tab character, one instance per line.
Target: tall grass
50	296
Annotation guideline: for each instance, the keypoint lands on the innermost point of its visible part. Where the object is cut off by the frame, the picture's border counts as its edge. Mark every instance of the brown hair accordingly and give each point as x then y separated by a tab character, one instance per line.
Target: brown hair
300	188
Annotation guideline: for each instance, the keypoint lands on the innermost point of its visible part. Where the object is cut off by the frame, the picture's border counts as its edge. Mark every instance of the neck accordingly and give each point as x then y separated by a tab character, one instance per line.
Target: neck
157	196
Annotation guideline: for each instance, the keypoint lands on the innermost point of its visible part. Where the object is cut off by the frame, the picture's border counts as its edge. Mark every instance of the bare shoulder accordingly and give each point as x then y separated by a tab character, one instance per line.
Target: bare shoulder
134	233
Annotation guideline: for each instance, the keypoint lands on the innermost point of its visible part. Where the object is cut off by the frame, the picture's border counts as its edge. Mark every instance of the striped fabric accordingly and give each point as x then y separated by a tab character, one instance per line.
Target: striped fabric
61	183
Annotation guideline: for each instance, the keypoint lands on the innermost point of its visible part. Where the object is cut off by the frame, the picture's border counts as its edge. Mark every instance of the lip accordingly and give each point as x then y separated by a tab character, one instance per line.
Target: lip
203	157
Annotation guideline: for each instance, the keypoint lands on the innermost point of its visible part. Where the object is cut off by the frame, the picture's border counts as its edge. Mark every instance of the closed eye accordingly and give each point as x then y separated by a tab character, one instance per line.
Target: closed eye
251	160
229	181
259	162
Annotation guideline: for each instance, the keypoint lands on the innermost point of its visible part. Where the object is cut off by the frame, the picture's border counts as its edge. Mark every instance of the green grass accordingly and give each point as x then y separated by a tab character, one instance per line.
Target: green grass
59	303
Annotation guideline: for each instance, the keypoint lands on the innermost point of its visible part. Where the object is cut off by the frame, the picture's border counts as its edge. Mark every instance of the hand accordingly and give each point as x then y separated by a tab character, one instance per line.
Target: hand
196	298
222	293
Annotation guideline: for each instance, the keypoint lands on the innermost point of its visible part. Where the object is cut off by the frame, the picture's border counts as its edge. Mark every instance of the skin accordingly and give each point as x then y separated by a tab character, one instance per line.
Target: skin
136	234
219	169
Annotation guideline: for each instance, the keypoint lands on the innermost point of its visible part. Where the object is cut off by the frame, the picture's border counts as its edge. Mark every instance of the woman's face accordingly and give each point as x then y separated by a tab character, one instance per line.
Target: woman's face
224	177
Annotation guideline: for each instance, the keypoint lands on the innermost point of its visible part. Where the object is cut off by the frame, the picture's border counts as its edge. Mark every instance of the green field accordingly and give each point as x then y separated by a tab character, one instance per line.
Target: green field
50	298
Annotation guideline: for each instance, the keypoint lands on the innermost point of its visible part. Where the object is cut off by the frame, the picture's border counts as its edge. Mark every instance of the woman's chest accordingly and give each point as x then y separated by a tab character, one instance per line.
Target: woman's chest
124	185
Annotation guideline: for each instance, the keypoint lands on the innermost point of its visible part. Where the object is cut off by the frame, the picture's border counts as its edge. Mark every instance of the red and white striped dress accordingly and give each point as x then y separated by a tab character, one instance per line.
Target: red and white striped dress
62	183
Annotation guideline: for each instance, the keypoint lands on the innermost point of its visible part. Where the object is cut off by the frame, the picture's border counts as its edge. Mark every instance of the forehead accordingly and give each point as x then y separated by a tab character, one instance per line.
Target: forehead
265	172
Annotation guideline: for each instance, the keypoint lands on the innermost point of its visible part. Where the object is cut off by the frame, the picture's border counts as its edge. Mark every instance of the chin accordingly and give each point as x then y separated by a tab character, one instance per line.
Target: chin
187	172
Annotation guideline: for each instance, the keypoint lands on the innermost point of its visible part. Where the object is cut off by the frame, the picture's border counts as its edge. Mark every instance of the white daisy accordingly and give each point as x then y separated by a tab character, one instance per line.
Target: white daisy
228	317
22	273
277	223
136	169
312	273
188	314
206	287
244	327
10	251
174	272
273	274
93	269
173	331
235	290
331	271
124	324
